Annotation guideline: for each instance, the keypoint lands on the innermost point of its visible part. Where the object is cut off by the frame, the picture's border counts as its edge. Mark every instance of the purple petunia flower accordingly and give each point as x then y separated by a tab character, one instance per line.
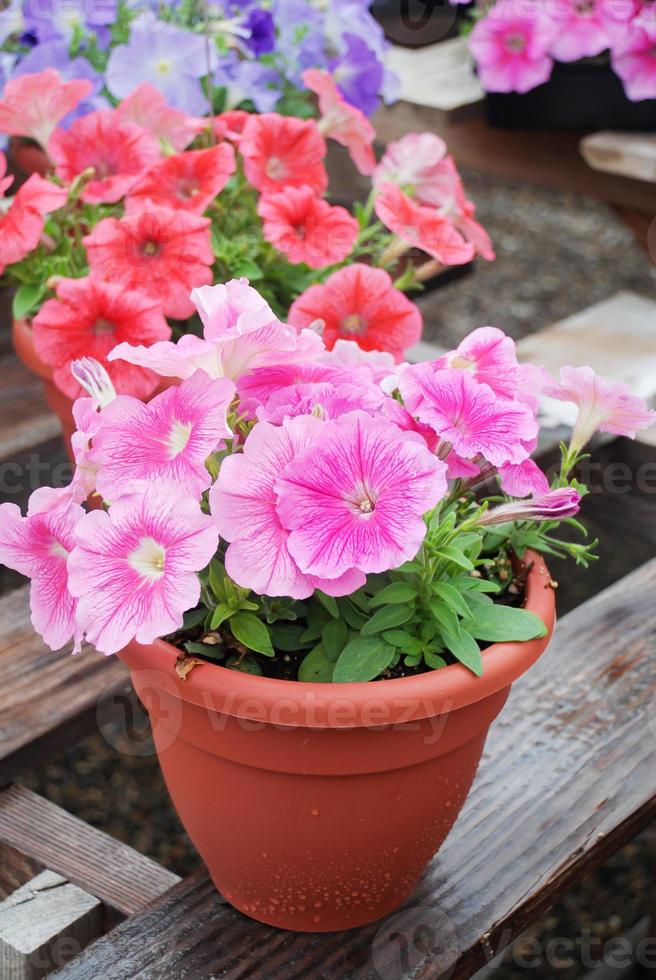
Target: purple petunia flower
359	74
171	59
301	41
57	19
248	80
262	33
54	54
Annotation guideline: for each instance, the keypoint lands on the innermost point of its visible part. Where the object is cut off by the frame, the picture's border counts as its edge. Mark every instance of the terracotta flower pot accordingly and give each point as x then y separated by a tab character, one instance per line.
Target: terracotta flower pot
316	807
60	403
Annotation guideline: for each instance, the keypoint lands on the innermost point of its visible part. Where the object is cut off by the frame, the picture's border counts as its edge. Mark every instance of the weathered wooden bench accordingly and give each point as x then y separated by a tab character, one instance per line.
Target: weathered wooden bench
567	778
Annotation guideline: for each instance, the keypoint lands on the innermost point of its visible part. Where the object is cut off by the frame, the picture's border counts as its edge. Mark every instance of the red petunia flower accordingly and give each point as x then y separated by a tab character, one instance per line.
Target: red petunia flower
118	151
283	151
33	104
306	228
188	180
22	223
361	304
88	319
148	108
229	125
155	250
422	227
342	121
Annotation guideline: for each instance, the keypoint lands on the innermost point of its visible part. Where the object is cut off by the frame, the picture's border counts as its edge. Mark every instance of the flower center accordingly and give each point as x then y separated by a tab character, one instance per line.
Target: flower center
163	66
585	7
354	323
103	327
515	43
57	549
461	363
148	560
367	506
188	188
178	437
275	168
149	249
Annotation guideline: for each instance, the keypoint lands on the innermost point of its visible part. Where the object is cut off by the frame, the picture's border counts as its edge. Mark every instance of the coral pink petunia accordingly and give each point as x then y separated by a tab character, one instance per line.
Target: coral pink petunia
633	59
511	47
32	105
229	125
361	304
38	546
418	164
116	150
134	568
87	319
466	414
523	479
148	108
159	251
421	227
306	228
243	504
283	151
188	180
169	438
602	407
489	356
21	225
342	121
357	497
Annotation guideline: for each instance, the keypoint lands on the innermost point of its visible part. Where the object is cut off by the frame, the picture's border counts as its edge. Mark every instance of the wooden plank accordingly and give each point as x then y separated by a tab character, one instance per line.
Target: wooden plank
47	700
26	419
544	157
123	879
44	924
627	154
566	779
439	76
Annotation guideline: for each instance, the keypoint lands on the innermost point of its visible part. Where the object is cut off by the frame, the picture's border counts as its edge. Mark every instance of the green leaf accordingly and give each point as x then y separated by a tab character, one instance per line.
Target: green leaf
354	618
316	667
333	638
204	650
252	632
434	660
328	603
362	659
193	617
287	637
396	592
245	666
25	299
444	615
450	595
470	583
498	624
454	555
387	618
218	580
404	641
464	648
220	614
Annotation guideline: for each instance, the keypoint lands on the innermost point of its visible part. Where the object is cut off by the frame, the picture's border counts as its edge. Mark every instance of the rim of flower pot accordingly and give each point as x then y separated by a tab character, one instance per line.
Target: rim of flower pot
363	704
23	339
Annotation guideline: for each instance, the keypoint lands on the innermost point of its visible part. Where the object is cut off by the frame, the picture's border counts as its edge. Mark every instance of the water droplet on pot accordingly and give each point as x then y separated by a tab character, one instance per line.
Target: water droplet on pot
314	812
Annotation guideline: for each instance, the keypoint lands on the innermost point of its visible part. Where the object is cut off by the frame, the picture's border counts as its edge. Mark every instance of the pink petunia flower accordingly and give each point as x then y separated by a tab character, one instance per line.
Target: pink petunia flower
21	225
489	356
148	108
118	152
283	151
361	304
243	503
467	415
417	164
155	250
373	365
357	497
305	228
633	59
603	407
555	505
134	568
581	29
229	125
87	319
511	47
169	438
188	180
342	121
32	105
94	379
422	227
37	546
523	479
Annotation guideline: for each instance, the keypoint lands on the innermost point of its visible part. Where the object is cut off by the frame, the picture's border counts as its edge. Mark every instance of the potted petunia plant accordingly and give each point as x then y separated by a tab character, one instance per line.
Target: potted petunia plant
145	203
324	570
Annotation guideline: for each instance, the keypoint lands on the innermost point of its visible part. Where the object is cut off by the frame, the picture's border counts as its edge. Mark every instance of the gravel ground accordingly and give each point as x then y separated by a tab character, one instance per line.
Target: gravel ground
557	253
